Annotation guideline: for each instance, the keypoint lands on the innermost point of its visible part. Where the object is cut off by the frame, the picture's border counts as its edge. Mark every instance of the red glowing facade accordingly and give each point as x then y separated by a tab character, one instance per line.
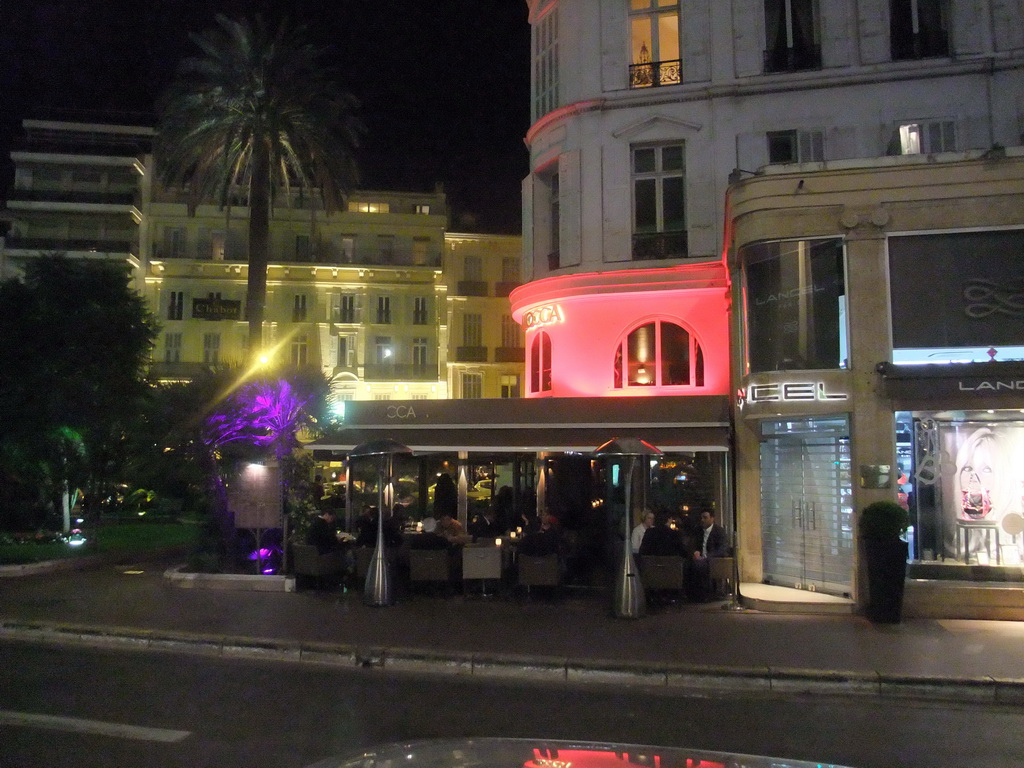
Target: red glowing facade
629	333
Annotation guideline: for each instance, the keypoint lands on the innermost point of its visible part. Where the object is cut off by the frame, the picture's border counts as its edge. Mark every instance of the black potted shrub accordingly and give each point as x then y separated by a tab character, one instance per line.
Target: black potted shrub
882	525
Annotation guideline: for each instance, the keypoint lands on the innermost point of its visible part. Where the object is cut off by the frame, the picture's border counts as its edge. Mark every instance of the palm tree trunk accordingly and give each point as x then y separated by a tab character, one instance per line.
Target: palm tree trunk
259	245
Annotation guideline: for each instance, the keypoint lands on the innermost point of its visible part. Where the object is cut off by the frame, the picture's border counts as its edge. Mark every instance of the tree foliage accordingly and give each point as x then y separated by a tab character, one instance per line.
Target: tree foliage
257	110
75	342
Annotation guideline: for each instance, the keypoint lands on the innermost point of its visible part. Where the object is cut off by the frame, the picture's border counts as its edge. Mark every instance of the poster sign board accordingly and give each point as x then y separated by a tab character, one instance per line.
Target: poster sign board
255	497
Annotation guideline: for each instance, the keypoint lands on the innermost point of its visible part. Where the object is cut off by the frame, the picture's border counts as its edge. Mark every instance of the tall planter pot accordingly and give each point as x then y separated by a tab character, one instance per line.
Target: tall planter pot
887	574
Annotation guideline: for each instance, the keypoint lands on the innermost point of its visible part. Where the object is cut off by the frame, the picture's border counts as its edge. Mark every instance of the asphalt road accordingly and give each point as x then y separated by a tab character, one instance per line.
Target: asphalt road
62	706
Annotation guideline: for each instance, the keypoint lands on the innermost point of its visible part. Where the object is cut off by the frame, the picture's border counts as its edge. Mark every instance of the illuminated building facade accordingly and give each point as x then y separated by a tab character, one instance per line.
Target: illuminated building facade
366	294
647	117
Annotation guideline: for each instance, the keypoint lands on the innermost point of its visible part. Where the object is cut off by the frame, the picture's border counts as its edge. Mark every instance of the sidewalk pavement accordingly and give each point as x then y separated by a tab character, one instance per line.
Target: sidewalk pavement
574	639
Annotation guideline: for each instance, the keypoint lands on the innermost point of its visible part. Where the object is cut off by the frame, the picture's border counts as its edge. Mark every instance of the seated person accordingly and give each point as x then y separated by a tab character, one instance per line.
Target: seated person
485	526
547	539
323	532
641	528
660	539
429	538
366	529
450	528
713	543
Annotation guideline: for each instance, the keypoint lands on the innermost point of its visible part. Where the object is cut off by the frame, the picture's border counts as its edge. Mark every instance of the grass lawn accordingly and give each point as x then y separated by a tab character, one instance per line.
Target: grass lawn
114	537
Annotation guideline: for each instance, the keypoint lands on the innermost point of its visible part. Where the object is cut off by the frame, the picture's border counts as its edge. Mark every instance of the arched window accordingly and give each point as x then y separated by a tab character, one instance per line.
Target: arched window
540	363
659	354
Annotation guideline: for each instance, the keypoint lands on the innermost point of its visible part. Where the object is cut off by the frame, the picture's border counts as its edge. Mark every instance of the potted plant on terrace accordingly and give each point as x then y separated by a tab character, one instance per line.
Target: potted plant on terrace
882	526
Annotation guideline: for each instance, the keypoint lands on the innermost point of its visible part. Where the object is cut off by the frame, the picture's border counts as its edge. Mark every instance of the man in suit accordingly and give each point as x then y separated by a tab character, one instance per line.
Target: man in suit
713	543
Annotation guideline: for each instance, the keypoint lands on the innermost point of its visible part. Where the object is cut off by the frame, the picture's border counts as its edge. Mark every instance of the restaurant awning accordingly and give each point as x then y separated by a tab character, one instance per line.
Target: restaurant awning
564	424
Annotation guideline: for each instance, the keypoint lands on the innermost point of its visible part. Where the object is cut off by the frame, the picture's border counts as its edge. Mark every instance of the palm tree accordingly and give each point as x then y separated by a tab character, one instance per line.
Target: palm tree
257	111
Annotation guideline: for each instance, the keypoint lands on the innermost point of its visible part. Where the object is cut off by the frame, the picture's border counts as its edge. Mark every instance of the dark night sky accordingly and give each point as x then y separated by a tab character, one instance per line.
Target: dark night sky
444	85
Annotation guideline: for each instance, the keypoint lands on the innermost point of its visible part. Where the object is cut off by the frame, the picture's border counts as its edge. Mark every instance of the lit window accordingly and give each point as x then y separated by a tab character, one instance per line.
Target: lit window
545	64
540	363
918	29
924	138
510	385
423	210
385	354
659	202
654	43
791	35
659	354
355	207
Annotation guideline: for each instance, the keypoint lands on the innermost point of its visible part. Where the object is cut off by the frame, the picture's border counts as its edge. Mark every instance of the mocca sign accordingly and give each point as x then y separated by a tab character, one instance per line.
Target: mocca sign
548	314
401	412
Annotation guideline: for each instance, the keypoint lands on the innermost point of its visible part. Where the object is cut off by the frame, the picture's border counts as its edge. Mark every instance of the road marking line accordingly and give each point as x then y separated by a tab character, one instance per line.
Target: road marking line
78	725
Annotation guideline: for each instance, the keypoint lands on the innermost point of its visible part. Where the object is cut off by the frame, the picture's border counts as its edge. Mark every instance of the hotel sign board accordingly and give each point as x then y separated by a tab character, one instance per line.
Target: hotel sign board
216	309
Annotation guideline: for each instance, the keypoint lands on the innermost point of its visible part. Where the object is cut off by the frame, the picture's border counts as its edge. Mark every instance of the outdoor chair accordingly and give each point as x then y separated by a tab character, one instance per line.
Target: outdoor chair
539	571
308	562
663	574
430	566
483	563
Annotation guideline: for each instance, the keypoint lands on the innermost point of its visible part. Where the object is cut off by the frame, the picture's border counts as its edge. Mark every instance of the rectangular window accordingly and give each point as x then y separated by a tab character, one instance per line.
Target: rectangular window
174	240
303	249
554	214
386	248
796	295
659	202
355	207
421	251
172	348
925	138
385	353
381	395
211	348
384	310
218	245
918	28
791	35
472	330
299	308
422	210
420	310
510	269
545	64
654	43
176	305
346	246
347	308
300	350
419	352
347	350
511	333
510	386
472	269
796	146
472	386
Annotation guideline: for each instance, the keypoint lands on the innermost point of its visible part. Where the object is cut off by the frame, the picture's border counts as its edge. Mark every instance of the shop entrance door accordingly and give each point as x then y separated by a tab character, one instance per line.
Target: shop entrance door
806	511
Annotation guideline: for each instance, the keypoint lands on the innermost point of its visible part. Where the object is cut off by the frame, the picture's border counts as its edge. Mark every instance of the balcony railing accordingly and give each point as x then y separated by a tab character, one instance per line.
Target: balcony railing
792	59
15	243
654	73
399	372
510	355
471	354
471	288
204	252
660	245
62	196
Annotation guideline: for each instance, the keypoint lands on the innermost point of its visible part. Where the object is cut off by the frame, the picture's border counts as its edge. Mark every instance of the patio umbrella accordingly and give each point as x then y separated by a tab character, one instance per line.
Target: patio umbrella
377	589
628	601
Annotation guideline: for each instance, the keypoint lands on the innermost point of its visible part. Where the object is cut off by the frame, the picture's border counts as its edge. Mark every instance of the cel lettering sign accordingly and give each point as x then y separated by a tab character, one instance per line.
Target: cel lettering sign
793	392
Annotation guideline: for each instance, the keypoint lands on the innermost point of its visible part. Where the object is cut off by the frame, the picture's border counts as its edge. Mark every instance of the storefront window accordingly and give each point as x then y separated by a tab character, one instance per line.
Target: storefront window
961	475
796	305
